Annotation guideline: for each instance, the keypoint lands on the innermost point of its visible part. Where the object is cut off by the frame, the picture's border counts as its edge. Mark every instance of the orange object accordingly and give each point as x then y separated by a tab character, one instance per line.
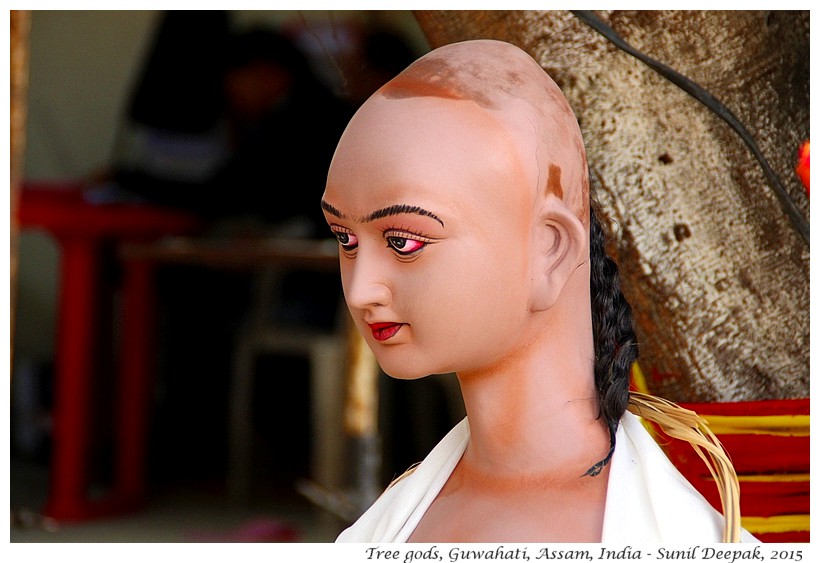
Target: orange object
802	167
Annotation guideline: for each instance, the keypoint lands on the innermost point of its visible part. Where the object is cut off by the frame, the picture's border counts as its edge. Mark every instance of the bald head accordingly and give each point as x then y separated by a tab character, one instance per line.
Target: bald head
458	193
505	81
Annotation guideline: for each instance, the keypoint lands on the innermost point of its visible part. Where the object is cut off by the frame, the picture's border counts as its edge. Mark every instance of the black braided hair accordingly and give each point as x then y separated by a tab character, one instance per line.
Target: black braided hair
613	333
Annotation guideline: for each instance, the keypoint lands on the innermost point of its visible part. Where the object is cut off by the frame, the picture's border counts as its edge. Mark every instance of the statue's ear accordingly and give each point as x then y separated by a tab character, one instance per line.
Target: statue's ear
560	247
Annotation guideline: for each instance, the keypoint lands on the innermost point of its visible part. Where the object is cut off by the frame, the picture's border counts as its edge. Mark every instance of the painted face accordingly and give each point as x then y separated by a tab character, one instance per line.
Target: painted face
431	206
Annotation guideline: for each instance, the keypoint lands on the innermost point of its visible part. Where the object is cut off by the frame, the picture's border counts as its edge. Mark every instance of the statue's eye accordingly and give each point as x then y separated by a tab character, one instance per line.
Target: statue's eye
404	245
347	240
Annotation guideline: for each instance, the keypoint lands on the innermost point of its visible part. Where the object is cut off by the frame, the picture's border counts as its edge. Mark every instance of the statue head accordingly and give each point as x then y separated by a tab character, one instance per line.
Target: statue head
459	195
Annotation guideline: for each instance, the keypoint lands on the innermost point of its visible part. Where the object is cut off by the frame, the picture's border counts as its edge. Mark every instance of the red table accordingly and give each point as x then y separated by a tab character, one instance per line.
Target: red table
83	231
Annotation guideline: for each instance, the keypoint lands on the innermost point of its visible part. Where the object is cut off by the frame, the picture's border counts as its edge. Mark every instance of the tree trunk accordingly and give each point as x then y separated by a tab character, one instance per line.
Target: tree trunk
716	273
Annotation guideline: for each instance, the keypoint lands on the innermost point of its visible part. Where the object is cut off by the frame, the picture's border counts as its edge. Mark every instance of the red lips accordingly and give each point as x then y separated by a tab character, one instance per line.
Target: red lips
384	331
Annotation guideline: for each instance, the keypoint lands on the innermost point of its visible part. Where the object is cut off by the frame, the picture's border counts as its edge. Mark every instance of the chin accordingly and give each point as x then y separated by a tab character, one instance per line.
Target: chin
406	376
411	360
398	369
403	373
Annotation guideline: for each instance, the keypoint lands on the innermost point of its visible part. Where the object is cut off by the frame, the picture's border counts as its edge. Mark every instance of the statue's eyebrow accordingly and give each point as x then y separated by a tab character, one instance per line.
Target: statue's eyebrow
399	209
332	210
385	212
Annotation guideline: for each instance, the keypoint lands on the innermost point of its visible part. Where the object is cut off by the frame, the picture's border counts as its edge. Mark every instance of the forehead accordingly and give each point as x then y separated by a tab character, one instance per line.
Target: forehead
419	141
415	120
424	147
442	104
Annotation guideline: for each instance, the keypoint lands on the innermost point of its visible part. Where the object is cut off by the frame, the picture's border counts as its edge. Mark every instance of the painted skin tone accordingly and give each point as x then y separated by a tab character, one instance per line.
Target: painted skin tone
460	254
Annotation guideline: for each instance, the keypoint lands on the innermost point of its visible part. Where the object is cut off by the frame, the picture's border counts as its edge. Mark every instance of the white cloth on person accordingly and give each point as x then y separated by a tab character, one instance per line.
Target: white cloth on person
647	501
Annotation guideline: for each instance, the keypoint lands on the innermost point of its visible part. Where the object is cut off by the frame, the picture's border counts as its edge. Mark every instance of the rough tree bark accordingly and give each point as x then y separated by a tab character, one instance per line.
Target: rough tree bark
717	275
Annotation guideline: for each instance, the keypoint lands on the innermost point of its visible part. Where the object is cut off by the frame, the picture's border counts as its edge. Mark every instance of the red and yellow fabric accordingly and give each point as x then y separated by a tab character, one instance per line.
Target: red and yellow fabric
768	443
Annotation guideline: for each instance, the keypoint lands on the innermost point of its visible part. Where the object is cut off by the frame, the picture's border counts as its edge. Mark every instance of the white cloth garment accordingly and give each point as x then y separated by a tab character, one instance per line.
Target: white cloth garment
647	501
